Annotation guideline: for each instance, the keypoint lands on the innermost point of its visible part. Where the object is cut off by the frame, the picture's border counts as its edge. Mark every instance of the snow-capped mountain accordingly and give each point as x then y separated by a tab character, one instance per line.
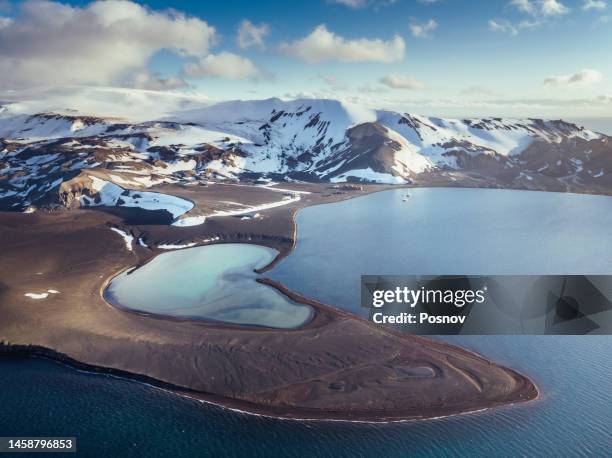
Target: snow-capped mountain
46	157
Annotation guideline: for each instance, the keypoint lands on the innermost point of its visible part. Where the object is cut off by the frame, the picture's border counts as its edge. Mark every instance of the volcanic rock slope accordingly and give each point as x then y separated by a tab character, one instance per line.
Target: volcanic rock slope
72	159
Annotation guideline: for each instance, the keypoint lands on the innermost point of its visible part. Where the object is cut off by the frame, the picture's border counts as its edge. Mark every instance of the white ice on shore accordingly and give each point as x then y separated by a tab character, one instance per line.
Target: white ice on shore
258	208
197	220
190	221
37	295
41	295
127	238
170	246
270	185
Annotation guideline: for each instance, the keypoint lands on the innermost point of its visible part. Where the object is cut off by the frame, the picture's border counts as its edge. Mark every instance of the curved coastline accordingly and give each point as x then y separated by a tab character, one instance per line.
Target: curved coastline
324	314
210	322
283	253
234	405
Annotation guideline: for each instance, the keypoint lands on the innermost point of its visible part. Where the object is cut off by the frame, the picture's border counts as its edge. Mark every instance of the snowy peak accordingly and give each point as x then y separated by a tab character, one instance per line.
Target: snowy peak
49	126
282	132
308	140
375	149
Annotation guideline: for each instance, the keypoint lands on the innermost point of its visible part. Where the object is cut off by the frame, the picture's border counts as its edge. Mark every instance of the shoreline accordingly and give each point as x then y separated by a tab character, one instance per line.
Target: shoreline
315	321
246	408
300	371
282	245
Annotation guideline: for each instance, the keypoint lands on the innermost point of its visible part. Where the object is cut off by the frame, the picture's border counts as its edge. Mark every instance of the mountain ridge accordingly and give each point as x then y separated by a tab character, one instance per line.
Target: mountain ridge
311	140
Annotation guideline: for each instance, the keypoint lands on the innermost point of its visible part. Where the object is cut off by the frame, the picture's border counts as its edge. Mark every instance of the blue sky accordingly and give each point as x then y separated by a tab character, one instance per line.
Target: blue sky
448	57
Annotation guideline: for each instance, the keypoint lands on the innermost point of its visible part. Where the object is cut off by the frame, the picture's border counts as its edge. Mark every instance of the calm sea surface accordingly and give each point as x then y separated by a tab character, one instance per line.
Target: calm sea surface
436	232
445	232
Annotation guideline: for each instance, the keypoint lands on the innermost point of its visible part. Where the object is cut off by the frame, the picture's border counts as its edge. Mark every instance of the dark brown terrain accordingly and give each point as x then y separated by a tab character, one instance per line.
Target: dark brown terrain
335	367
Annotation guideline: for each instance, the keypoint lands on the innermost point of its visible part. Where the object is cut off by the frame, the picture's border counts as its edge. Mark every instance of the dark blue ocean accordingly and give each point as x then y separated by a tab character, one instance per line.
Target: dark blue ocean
113	417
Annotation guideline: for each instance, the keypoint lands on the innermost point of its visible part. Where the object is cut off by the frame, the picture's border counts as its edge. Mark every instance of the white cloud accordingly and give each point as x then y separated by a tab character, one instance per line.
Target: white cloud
594	5
222	65
582	78
379	97
250	35
526	24
553	8
104	42
349	3
158	83
363	3
497	25
396	81
422	30
541	12
322	45
604	98
502	26
526	6
540	7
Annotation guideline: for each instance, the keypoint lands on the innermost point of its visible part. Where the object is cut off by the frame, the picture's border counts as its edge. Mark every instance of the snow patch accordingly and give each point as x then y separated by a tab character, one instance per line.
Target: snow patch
257	208
127	238
271	188
169	246
41	295
190	221
370	176
37	295
244	211
113	195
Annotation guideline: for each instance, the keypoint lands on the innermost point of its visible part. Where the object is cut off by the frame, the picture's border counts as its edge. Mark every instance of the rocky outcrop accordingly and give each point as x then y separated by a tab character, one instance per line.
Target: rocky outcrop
70	191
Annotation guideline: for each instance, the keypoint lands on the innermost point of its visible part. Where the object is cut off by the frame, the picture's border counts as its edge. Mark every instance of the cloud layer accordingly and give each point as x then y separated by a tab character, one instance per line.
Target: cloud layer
540	7
322	45
251	35
105	42
422	30
402	82
582	78
223	65
594	5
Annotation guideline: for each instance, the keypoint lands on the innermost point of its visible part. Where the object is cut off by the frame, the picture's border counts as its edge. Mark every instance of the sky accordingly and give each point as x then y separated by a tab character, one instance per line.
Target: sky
547	58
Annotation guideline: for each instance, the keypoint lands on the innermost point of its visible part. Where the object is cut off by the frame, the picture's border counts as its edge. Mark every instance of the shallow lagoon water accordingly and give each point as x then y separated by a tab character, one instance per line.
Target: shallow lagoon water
210	283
